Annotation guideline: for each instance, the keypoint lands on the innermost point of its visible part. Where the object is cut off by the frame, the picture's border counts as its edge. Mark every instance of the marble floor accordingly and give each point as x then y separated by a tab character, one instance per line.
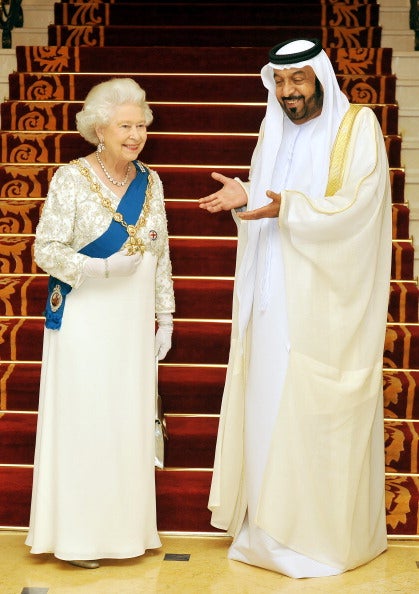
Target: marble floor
195	565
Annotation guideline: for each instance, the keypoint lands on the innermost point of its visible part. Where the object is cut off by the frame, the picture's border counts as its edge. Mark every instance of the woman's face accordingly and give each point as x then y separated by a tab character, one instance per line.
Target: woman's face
125	136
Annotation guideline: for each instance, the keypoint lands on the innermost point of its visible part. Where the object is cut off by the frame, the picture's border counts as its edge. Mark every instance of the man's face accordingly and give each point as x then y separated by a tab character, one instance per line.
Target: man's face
298	94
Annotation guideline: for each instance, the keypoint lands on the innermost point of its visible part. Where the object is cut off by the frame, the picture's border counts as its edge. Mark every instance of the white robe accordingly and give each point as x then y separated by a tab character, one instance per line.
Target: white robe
94	483
299	468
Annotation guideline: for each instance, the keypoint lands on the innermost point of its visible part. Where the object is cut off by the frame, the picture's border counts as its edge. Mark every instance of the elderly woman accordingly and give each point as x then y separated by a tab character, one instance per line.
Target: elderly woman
103	240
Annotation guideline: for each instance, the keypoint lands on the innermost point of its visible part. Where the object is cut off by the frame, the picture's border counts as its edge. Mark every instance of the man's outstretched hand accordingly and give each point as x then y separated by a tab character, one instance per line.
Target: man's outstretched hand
270	211
231	195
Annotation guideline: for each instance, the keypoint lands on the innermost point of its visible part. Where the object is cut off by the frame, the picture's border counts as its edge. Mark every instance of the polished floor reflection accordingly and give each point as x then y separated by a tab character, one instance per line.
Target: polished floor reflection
195	565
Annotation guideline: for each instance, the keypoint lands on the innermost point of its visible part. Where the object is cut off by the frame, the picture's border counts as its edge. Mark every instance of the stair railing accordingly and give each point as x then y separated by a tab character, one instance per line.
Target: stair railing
11	16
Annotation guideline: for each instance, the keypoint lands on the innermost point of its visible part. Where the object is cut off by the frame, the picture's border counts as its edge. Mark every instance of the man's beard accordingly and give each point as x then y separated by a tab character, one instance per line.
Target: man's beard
311	106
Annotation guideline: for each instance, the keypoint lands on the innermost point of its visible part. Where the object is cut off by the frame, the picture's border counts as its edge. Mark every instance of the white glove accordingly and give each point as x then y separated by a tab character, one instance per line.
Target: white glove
163	340
119	264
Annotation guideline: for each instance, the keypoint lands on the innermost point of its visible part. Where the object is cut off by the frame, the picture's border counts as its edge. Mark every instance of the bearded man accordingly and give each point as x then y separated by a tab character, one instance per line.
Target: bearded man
299	466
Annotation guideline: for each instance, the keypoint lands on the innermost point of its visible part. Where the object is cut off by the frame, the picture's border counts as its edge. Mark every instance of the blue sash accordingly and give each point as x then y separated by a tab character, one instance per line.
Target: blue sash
108	243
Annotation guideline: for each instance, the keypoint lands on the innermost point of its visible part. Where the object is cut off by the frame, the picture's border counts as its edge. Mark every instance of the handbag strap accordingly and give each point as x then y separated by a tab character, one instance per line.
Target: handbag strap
156	388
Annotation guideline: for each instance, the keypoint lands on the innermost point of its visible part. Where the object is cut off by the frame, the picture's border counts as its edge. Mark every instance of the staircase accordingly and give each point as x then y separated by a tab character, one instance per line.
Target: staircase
204	87
395	20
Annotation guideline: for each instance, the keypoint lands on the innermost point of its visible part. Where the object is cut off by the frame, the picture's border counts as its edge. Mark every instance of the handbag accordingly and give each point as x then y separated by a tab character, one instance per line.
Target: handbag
160	431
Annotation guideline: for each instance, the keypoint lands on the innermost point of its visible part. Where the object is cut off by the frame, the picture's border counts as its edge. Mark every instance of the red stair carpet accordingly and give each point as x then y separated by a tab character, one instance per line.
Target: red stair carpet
199	63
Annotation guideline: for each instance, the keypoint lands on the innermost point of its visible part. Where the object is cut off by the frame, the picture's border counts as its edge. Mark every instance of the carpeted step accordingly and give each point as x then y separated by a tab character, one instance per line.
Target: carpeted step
192	438
402	446
401	216
19	388
402	505
197	342
201	88
401	394
184	389
202	36
220	254
219	260
184	218
401	349
25	181
19	180
203	298
174	117
218	2
181	13
210	149
393	146
197	389
238	60
17	437
191	441
15	496
182	499
32	181
21	216
190	444
397	180
22	295
190	149
403	255
25	295
404	302
191	389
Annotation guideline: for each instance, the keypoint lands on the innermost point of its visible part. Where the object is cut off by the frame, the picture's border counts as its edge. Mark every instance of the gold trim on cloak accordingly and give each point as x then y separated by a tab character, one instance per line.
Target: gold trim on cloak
339	152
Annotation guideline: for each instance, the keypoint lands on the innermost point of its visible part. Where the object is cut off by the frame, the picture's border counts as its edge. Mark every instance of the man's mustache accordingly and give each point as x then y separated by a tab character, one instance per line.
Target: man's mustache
293	98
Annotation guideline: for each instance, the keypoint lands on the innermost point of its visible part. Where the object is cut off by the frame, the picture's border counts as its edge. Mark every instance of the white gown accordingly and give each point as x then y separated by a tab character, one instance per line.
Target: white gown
94	481
267	365
249	488
267	359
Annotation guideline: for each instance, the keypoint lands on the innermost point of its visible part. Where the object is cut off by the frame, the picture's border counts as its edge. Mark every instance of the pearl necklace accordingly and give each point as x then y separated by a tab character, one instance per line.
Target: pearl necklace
113	181
134	243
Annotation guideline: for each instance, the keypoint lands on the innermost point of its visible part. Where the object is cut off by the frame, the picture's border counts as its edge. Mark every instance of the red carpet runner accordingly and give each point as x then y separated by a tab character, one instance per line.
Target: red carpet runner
202	80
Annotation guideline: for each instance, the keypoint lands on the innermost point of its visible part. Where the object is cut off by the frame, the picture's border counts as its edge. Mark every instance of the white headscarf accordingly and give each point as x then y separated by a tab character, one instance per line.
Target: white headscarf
324	130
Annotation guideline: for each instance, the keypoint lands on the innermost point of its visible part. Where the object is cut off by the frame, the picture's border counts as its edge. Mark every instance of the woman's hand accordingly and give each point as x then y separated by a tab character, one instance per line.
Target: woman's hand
119	264
163	338
270	211
231	195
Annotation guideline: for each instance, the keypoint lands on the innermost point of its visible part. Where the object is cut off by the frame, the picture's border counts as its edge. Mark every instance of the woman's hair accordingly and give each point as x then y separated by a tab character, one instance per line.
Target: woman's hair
102	100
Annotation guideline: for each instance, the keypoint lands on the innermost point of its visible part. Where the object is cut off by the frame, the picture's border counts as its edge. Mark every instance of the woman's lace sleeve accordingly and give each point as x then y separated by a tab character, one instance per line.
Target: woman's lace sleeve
53	249
165	300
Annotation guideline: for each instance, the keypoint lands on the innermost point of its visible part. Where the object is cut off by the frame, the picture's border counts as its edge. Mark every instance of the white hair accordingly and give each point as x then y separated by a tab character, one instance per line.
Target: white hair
102	99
